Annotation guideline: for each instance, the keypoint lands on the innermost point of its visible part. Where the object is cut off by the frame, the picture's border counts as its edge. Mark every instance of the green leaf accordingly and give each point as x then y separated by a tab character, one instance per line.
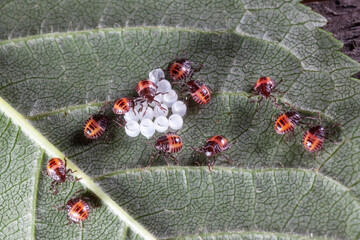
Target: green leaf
51	82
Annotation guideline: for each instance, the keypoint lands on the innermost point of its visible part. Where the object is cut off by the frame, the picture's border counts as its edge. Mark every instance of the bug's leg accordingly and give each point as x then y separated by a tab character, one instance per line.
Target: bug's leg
226	157
79	223
133	108
332	127
198	150
287	138
273	99
147	106
314	118
199	68
77	192
69	221
56	188
61	205
118	123
167	161
68	170
209	165
103	108
258	103
140	101
181	83
121	121
232	144
157	153
195	149
72	178
191	73
331	140
176	161
288	104
159	104
65	160
211	90
71	171
277	84
52	185
175	131
253	94
277	91
213	163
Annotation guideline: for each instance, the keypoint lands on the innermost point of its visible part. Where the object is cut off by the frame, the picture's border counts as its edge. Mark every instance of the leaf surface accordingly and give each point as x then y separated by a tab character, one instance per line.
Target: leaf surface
56	80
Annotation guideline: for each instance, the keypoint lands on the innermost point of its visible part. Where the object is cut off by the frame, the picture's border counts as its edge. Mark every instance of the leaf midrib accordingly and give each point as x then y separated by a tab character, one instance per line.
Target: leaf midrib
46	146
245	233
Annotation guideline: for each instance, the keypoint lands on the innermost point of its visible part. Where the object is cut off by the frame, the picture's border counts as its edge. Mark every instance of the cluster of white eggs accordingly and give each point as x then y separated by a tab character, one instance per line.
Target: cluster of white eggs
140	119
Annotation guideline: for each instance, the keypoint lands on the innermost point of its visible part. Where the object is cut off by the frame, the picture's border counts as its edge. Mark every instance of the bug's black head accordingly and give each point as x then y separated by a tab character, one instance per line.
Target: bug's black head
149	98
318	131
62	177
294	117
194	85
183	61
101	120
159	146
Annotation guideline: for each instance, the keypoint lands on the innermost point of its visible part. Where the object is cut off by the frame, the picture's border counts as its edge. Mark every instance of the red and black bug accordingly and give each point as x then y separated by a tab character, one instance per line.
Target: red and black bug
77	210
123	105
180	69
147	92
56	170
95	126
199	91
314	138
166	145
264	87
286	122
214	146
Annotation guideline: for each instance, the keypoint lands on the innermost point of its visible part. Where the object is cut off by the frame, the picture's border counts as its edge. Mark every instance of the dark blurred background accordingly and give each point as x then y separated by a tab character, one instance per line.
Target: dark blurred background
343	21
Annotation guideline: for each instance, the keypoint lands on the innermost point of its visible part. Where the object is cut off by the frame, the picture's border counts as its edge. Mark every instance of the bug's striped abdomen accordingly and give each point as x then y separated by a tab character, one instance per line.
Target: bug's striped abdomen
175	143
199	91
146	87
312	143
77	210
283	124
122	105
179	69
95	126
